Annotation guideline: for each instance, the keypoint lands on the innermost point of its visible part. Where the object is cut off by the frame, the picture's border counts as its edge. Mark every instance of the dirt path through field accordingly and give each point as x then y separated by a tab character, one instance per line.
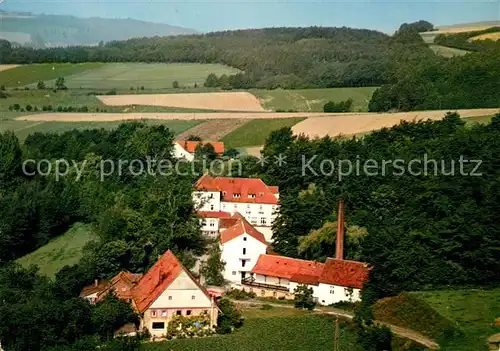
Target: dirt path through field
213	129
406	333
6	67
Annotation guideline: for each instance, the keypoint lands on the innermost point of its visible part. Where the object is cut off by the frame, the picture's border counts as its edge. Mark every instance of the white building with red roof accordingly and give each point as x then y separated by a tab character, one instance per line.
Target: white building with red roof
186	149
215	197
334	281
241	245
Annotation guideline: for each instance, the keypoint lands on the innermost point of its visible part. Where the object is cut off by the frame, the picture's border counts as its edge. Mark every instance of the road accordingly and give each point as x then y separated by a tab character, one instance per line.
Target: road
403	332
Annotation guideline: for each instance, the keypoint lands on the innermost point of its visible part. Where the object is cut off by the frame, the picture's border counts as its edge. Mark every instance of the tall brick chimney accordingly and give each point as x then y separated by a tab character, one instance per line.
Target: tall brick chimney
339	254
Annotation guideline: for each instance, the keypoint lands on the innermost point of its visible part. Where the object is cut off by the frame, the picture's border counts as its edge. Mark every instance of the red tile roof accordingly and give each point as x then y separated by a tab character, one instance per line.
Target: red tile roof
123	280
95	288
246	190
350	274
213	214
190	146
159	278
240	228
285	267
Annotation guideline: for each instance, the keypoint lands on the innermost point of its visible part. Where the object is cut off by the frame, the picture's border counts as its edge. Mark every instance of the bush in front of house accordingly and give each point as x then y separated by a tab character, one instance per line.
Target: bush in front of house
180	327
239	294
229	317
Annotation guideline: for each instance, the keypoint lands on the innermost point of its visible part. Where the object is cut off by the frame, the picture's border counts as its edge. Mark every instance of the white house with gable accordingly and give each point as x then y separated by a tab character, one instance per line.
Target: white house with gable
241	245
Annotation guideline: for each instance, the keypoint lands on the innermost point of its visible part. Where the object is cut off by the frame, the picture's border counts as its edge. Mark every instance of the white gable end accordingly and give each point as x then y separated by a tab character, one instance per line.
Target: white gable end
182	293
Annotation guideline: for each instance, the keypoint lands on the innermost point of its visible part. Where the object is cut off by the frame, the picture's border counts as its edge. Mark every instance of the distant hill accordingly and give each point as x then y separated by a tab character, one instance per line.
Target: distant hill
55	30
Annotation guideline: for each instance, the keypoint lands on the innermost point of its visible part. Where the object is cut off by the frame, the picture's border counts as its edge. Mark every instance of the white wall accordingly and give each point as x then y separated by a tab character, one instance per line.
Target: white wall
293	286
207	201
179	152
180	294
210	226
328	294
259	278
232	254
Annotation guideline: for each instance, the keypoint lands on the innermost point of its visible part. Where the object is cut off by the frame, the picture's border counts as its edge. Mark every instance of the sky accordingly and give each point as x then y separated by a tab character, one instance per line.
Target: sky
205	15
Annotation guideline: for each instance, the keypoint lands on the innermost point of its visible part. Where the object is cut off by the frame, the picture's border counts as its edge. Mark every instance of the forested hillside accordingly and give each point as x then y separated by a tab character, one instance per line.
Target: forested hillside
274	57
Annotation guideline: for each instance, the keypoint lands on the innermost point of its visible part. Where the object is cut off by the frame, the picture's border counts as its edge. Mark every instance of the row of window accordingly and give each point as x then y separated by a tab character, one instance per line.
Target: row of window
164	313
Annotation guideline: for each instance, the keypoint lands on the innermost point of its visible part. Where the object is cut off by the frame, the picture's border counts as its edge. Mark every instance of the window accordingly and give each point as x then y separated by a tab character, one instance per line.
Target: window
235	206
170	297
248	206
193	297
223	206
260	207
153	313
224	193
212	222
243	263
251	196
211	196
262	292
244	251
205	311
203	222
158	325
244	238
211	207
234	272
188	312
274	294
179	312
163	313
263	221
332	291
261	194
237	195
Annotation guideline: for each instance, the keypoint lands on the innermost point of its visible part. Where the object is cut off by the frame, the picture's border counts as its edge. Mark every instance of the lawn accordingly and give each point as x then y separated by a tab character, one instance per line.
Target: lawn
123	76
256	131
447	51
312	100
479	119
308	332
59	252
28	74
473	311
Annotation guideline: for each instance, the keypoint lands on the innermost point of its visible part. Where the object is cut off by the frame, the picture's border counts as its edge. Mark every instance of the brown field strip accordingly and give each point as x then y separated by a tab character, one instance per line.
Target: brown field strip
492	36
463	29
213	129
232	101
114	117
365	122
6	67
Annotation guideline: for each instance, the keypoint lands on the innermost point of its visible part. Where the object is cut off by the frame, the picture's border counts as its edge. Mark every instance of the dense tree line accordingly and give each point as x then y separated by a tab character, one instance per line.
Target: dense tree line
418	231
270	58
469	81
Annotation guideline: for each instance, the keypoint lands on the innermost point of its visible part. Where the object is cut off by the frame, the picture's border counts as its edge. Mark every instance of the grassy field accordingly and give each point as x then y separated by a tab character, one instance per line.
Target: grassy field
491	36
312	100
149	75
479	119
28	74
256	131
62	251
473	311
447	51
309	332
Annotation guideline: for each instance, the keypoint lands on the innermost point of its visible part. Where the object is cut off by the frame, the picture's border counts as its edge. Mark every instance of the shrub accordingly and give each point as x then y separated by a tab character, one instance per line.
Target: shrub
131	88
304	297
343	106
2	87
16	107
40	85
26	88
112	92
83	109
239	294
59	109
175	84
142	87
266	307
29	108
229	317
3	95
35	108
49	107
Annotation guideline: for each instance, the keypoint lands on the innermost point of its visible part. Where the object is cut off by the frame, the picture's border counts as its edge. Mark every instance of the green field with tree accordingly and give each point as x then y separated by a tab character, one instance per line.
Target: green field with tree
66	249
29	74
313	100
256	131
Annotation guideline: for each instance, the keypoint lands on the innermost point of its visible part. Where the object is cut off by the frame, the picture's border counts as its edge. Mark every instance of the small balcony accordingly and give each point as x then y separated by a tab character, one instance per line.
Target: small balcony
250	281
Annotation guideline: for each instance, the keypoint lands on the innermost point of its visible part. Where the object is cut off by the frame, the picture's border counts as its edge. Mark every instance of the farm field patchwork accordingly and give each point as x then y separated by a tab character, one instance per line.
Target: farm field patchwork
310	332
29	74
59	252
354	124
223	101
492	36
213	129
474	311
148	75
312	100
255	132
